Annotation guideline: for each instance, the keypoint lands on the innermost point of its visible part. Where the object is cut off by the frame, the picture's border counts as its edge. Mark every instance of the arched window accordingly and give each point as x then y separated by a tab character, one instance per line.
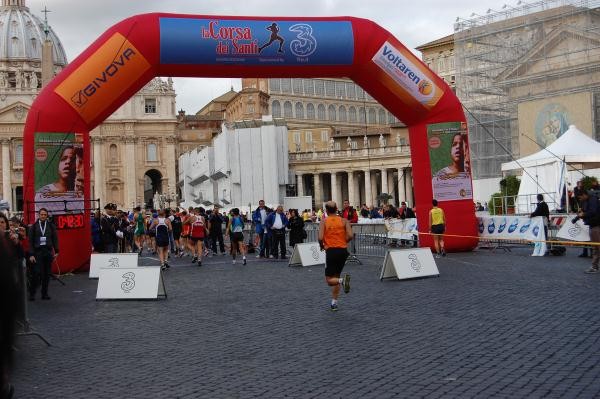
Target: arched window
340	89
297	86
275	84
310	111
299	110
351	90
343	115
381	116
331	113
330	88
276	108
151	155
19	154
309	87
321	112
286	85
352	112
372	117
115	194
113	154
287	110
361	115
319	88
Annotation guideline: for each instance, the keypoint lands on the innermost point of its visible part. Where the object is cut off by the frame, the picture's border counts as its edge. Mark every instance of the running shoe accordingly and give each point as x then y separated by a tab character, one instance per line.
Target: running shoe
199	263
592	270
244	261
333	307
346	283
194	259
167	265
233	262
163	267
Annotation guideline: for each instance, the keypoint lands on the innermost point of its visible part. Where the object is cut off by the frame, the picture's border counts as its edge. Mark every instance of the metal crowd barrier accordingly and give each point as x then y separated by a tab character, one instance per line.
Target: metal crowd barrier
369	239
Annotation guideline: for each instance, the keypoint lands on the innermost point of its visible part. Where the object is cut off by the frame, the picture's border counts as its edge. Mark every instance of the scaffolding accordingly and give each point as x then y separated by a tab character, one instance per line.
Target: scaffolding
520	54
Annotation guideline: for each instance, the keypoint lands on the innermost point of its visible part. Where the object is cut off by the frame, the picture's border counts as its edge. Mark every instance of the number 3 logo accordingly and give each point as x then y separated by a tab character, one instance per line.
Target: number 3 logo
305	44
315	252
129	282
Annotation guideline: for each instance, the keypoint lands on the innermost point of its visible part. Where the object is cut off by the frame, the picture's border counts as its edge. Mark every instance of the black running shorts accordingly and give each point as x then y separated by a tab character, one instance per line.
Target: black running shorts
335	259
438	229
237	237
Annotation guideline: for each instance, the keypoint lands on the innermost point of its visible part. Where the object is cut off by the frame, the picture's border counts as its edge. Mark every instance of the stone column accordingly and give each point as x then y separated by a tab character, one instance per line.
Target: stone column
390	179
334	188
170	166
368	192
130	180
98	164
318	191
300	183
409	190
6	171
384	180
374	192
351	191
401	185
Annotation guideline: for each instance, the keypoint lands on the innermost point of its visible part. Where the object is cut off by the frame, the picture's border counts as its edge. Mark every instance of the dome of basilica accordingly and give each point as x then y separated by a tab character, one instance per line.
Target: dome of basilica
22	36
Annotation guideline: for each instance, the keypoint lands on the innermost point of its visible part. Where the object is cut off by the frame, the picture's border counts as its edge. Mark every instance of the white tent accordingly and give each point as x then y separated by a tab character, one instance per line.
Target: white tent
545	171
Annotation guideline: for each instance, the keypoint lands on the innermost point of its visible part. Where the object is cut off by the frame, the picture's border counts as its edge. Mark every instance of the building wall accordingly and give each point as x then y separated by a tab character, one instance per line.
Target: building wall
543	121
250	163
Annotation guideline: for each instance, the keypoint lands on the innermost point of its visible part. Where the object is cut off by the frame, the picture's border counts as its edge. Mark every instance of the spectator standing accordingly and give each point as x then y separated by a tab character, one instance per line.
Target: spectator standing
215	228
43	242
259	217
542	210
276	223
349	213
590	213
296	225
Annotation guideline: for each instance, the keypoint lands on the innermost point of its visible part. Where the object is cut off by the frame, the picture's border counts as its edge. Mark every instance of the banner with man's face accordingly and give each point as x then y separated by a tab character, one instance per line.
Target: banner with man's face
59	175
450	161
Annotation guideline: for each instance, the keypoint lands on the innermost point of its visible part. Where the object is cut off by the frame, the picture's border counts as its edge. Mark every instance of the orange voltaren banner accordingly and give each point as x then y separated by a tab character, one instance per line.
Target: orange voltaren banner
101	79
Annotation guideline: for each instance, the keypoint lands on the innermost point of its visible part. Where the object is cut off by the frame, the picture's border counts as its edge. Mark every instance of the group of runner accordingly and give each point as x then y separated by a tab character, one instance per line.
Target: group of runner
193	231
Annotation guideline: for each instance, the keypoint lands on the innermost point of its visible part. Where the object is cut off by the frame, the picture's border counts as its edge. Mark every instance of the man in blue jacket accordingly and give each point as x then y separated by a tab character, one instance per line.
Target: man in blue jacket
276	223
259	217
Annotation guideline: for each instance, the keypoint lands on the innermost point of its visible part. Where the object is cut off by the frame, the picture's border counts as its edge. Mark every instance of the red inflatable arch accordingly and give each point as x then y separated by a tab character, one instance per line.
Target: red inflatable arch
137	49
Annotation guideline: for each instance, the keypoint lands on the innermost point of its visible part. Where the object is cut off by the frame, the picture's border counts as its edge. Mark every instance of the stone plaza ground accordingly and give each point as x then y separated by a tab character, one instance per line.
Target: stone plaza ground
492	325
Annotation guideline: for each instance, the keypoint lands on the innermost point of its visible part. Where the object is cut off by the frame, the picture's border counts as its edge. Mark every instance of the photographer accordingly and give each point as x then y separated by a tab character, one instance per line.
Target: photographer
590	213
43	242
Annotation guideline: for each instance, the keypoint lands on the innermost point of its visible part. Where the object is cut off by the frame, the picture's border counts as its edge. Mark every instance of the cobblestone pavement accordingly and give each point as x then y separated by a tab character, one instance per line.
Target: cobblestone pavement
492	325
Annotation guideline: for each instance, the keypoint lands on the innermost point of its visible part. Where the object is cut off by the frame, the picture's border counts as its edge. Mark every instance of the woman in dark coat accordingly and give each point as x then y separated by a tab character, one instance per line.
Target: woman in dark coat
296	225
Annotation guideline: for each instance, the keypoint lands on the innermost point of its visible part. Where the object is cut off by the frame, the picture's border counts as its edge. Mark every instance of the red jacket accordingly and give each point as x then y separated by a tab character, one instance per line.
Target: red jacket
350	214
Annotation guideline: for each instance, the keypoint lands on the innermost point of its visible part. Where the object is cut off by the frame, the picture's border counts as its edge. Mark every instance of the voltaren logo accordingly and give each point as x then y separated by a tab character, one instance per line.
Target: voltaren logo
80	97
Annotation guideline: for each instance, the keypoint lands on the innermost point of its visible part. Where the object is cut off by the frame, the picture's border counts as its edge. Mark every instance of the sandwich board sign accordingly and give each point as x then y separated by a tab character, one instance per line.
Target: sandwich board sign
307	254
409	263
112	261
131	283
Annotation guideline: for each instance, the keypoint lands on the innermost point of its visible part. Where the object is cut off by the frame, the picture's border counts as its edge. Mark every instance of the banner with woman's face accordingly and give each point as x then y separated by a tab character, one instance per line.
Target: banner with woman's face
450	161
58	172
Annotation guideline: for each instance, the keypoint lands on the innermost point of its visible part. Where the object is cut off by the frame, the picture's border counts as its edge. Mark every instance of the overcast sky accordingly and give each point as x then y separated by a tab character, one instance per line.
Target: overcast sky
79	22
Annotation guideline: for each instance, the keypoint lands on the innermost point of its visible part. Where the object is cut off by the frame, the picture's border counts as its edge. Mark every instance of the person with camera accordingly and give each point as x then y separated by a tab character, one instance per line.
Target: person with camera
590	213
43	244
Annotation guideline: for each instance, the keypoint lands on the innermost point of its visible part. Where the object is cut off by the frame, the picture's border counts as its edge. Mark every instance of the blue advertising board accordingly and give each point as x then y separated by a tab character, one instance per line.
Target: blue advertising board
243	42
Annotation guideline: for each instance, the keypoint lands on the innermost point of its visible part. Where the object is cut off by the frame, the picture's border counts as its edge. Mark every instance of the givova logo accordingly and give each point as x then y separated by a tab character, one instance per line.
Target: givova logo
81	96
102	78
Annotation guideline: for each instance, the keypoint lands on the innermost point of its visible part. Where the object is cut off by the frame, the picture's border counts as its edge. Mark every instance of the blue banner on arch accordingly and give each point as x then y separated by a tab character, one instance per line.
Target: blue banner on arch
243	42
